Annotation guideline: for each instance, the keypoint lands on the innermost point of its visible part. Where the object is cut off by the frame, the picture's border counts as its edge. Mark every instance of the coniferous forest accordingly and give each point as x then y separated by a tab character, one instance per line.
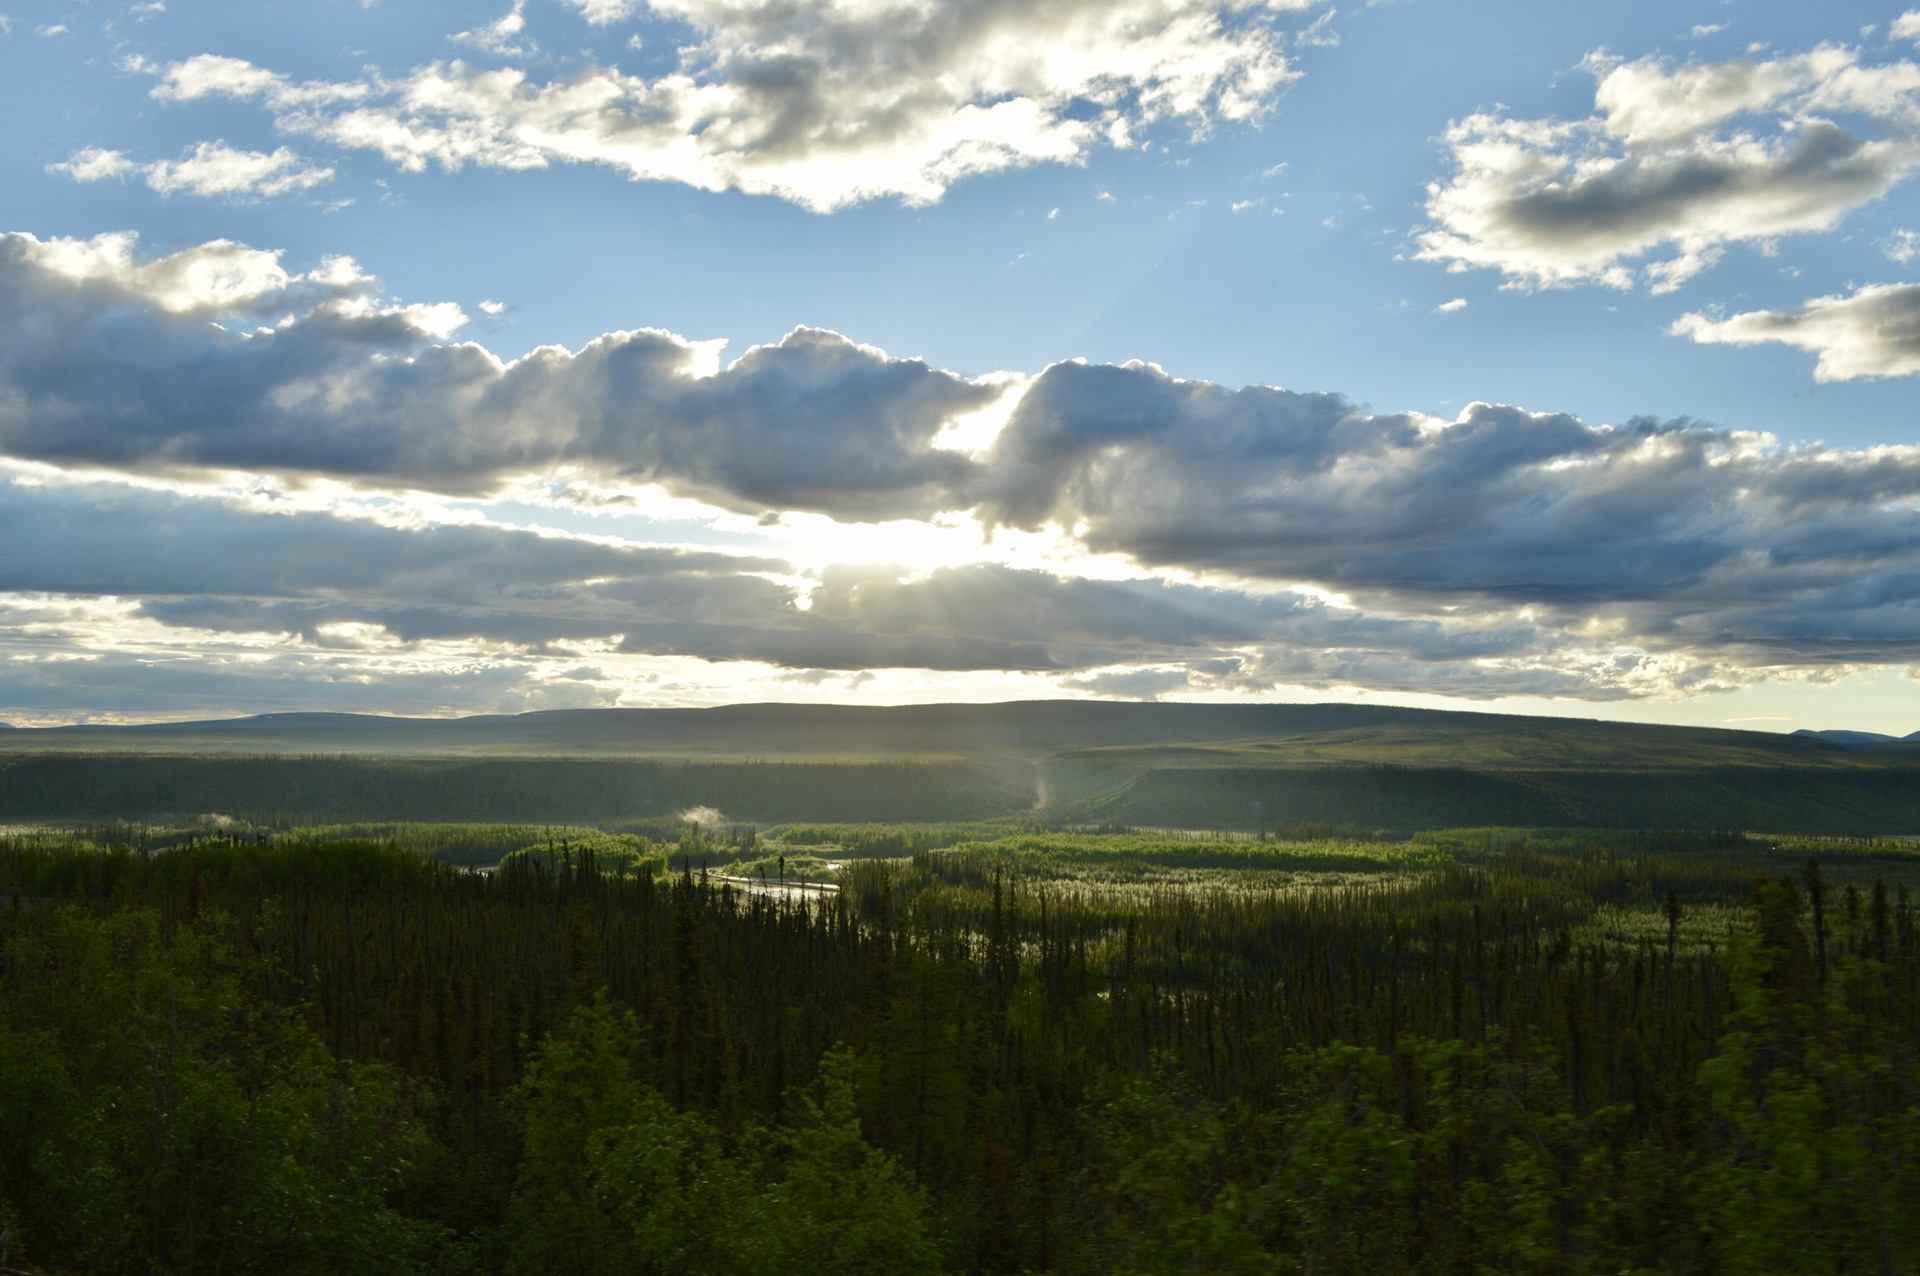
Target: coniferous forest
988	1050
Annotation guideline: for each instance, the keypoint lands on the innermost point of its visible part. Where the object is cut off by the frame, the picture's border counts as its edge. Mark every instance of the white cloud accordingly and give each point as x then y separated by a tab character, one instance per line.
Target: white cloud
1704	29
825	104
51	29
1901	246
601	12
207	169
490	307
213	278
95	164
1448	307
502	36
214	168
1872	332
1906	26
1320	34
1675	164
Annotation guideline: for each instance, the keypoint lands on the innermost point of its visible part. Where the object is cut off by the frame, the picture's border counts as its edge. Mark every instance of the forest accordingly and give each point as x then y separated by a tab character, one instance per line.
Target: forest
1215	789
966	1047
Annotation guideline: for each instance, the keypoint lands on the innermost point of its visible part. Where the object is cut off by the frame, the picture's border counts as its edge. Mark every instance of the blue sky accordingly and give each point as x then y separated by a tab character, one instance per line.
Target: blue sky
450	358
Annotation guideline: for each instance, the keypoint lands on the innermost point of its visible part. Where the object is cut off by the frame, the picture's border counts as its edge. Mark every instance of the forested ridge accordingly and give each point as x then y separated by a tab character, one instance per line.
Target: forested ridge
1616	1053
1879	797
301	790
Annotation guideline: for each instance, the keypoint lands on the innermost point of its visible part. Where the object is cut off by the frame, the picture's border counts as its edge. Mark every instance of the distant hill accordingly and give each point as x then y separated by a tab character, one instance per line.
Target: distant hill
1856	739
1357	767
1267	734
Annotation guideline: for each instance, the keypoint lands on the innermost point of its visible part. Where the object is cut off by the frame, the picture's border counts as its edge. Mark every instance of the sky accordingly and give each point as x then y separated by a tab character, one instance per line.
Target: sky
446	358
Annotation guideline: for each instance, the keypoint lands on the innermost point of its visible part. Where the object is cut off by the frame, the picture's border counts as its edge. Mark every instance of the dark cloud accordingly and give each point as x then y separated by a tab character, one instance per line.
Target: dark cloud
195	564
121	366
1678	528
203	563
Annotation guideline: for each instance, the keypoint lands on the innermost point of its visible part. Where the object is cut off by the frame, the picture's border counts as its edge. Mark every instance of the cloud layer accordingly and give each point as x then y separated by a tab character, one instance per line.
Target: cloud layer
1196	538
163	576
1675	163
824	104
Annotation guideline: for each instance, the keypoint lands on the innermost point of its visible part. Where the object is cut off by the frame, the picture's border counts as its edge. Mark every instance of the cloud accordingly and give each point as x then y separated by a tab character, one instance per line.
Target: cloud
107	359
1320	33
1872	332
1668	534
180	568
1674	164
218	276
231	565
503	36
1132	684
207	169
1247	537
95	164
825	104
602	12
1906	26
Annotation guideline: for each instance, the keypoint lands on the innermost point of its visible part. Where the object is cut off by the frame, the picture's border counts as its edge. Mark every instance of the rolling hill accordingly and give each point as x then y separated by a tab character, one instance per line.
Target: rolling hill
1363	767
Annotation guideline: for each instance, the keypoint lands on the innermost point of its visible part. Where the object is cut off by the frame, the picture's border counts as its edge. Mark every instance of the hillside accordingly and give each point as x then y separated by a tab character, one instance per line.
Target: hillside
1271	734
1360	768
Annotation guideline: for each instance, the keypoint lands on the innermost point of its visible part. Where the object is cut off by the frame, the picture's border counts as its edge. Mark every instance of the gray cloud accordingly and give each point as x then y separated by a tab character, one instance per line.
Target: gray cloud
358	590
131	685
1671	528
1681	160
107	361
1087	623
1873	331
204	563
1133	684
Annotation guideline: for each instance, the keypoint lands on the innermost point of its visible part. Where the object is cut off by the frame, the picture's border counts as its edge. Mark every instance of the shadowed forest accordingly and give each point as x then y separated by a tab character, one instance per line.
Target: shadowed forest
988	1050
1323	1004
